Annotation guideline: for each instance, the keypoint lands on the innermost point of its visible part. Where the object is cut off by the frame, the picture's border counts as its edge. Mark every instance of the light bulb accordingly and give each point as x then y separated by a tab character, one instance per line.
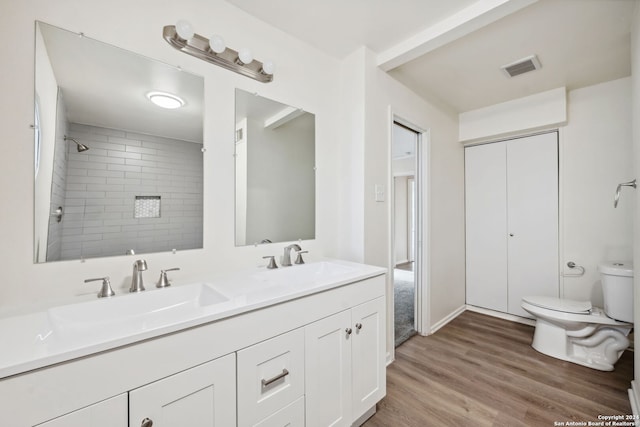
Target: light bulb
184	30
245	55
268	67
216	43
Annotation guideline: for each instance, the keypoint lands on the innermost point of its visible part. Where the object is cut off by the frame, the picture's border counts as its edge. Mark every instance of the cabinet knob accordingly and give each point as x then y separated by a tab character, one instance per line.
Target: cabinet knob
348	331
358	326
146	423
511	234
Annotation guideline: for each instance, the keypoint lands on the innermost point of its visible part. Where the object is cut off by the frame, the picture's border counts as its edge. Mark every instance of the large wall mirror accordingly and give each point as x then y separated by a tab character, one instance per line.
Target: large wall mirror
115	173
275	171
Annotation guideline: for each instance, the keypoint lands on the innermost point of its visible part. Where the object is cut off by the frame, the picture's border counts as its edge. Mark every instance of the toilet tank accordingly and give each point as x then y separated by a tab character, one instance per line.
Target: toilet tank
617	289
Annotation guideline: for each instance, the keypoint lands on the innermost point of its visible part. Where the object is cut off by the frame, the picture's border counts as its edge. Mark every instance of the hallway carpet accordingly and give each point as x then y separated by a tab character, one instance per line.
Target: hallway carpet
404	295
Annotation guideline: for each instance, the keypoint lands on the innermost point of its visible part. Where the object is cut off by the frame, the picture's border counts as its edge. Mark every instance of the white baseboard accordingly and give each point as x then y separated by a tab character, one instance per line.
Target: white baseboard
501	315
439	324
633	399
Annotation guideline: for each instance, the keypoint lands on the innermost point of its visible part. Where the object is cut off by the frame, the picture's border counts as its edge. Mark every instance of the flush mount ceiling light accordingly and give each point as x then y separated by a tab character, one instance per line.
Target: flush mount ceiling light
165	100
183	38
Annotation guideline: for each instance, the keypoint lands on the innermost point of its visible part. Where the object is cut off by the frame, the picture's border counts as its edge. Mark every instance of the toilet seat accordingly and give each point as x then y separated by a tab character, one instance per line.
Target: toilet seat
560	304
595	315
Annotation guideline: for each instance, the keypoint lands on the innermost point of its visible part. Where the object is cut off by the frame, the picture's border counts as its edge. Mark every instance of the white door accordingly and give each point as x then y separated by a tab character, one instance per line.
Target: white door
368	355
486	225
328	371
532	194
109	413
203	396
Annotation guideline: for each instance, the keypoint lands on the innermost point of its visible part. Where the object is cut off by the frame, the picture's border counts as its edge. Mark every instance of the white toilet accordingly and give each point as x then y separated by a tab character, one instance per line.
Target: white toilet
577	332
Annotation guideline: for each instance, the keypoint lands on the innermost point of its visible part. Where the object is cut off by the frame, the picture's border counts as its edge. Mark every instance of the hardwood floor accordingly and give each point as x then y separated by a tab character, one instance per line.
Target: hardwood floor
482	371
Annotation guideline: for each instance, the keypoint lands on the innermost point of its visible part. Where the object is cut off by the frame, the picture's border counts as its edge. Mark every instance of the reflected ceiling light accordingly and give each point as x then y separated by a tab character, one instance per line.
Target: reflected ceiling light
182	37
165	100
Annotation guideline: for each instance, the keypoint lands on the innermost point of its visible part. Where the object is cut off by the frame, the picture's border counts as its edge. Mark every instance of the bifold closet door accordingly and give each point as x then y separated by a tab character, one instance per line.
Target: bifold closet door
486	225
511	196
532	195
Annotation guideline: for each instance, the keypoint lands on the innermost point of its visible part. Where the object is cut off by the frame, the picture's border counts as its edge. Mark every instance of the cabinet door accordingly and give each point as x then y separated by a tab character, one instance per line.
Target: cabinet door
203	396
109	413
486	225
532	193
368	355
328	371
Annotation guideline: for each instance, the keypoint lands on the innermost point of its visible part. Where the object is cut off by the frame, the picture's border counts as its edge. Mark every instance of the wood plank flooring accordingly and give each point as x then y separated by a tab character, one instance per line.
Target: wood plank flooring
482	371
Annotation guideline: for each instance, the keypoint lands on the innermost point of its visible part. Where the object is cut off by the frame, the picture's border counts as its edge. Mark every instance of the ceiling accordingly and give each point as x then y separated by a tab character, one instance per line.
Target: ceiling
106	86
450	52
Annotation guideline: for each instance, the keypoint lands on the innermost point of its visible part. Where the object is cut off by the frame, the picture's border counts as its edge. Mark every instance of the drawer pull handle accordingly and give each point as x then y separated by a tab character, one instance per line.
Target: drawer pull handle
266	383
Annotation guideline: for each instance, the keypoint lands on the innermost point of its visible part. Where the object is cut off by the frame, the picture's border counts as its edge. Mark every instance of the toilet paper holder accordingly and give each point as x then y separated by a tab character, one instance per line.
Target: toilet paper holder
572	265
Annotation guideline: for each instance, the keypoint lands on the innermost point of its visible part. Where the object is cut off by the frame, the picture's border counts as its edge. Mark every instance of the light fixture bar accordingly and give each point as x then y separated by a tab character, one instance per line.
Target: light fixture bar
198	46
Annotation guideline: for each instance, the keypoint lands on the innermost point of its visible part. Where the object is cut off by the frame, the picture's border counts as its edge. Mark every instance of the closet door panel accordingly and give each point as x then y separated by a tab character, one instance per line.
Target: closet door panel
532	194
486	225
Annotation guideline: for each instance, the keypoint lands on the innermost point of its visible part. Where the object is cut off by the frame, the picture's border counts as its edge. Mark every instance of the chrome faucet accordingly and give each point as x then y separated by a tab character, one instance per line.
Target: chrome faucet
136	280
286	258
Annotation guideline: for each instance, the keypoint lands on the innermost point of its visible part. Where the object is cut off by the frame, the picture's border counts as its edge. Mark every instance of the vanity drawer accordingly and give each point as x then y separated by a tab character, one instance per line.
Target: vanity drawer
290	416
270	376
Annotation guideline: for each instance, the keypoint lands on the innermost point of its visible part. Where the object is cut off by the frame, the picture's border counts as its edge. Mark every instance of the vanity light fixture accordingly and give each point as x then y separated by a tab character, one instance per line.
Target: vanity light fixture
182	37
165	100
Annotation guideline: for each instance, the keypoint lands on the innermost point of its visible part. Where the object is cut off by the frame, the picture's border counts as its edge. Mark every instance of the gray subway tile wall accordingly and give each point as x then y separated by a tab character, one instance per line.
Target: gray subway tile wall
102	184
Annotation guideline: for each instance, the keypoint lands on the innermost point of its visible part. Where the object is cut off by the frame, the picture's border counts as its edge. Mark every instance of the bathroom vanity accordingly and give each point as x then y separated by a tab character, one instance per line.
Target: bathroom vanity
302	346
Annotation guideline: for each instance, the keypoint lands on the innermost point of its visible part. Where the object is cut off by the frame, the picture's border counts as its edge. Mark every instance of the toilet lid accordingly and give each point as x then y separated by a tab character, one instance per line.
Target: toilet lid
560	304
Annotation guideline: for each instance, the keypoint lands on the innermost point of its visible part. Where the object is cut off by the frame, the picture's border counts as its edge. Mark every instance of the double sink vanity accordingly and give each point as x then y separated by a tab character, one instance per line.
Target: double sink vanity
300	346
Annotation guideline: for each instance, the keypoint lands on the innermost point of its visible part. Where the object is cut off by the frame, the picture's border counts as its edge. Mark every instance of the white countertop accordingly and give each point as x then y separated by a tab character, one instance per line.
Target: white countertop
64	333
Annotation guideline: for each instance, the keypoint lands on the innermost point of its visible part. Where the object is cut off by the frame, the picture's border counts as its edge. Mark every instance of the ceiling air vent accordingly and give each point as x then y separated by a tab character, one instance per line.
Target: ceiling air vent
524	65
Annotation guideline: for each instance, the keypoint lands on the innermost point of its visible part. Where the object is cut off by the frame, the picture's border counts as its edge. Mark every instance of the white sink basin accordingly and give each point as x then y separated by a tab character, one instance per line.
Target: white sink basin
133	313
305	274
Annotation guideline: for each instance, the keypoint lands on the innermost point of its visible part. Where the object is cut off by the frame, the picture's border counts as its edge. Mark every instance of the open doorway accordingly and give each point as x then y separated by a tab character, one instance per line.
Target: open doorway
404	169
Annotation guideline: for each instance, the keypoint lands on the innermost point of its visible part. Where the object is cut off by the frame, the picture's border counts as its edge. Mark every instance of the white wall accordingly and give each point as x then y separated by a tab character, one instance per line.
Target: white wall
305	78
529	113
280	163
596	148
443	194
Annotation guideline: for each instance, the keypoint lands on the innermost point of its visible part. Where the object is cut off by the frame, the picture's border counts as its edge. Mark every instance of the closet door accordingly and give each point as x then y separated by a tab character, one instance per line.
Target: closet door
486	225
532	194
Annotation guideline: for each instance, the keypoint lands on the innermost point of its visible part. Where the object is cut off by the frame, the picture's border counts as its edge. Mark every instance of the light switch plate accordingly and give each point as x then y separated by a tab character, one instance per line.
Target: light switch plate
379	188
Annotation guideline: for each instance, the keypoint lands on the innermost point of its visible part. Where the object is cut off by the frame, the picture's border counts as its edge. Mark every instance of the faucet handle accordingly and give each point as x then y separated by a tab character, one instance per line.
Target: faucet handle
164	281
272	262
106	290
299	259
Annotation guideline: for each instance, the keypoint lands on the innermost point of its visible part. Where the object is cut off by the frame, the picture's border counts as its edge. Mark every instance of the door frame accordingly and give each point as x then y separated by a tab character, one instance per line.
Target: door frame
423	226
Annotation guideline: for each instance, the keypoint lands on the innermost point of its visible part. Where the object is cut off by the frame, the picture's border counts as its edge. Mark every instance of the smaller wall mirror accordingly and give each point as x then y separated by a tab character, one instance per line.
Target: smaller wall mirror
114	173
275	171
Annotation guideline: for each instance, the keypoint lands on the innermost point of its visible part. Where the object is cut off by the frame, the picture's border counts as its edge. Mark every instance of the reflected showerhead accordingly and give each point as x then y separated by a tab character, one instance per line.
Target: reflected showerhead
80	147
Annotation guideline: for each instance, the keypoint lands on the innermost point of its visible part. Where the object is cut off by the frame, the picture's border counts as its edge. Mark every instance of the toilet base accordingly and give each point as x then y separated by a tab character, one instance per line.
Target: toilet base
595	346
